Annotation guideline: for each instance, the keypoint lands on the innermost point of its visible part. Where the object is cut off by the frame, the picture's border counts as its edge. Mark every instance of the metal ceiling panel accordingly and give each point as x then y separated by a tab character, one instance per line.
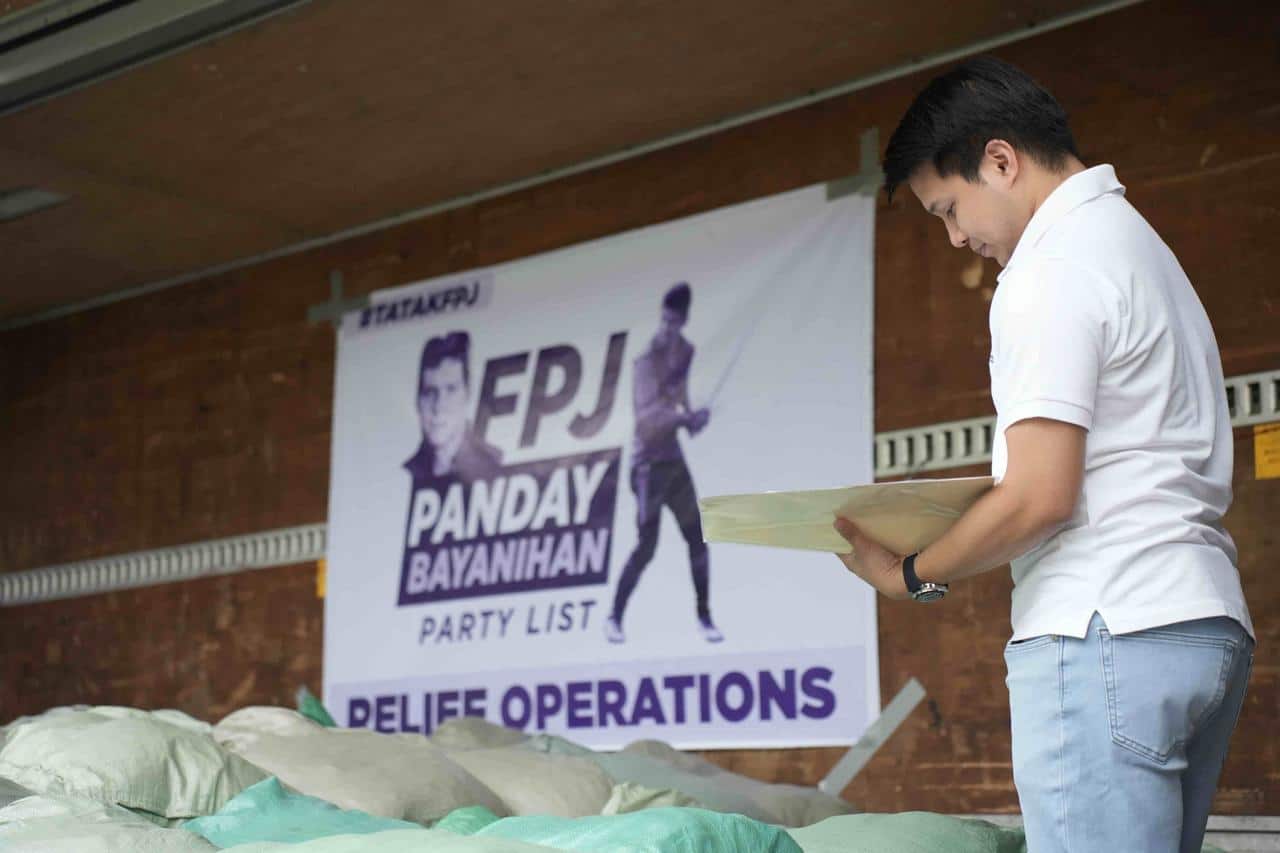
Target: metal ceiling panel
338	116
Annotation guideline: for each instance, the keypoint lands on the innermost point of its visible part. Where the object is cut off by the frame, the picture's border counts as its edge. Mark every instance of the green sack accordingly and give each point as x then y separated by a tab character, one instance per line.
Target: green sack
665	830
466	821
911	832
397	841
268	811
313	709
908	832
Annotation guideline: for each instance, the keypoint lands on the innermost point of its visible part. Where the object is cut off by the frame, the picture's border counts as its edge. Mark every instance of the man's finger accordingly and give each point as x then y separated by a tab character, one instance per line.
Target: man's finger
848	530
851	534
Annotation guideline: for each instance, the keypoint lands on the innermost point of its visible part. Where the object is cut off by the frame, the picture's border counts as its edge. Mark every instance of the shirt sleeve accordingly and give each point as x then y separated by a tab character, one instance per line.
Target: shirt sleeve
1049	333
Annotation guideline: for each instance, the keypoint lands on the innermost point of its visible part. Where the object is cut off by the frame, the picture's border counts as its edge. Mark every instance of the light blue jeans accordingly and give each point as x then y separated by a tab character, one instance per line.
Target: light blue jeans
1118	740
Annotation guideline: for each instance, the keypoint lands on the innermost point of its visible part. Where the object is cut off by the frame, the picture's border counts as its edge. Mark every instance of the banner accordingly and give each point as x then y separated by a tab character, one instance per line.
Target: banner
518	453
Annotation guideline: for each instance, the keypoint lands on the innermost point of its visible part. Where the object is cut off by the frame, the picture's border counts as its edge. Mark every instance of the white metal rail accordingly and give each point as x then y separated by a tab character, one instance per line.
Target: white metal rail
1252	399
282	547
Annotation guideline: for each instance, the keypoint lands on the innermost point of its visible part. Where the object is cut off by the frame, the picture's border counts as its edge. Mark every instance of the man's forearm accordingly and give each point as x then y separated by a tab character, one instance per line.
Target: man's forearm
1001	525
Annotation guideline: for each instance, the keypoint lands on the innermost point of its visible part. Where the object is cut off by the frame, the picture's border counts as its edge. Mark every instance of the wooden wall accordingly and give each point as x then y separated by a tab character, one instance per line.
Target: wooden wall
203	411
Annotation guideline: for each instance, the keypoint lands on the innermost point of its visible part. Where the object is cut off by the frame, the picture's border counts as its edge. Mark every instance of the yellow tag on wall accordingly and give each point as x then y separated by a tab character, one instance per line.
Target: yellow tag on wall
320	570
1266	451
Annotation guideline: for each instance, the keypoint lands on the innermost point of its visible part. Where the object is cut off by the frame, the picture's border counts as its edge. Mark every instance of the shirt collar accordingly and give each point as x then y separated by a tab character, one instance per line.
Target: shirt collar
1074	191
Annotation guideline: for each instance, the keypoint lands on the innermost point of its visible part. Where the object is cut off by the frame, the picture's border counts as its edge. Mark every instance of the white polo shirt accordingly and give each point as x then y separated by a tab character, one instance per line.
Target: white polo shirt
1095	323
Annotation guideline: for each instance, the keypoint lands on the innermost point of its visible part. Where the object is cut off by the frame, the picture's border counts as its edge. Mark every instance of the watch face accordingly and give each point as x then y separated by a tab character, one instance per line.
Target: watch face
929	594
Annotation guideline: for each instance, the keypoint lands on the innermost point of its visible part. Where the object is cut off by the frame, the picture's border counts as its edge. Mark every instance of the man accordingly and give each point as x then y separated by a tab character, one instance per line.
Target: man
1131	640
449	448
659	475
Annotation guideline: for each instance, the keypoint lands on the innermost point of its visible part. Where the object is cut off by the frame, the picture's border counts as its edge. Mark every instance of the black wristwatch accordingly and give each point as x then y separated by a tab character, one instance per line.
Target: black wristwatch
922	591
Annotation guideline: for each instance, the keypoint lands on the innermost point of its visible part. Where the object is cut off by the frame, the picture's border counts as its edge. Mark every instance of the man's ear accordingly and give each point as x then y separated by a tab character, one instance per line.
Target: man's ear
1000	162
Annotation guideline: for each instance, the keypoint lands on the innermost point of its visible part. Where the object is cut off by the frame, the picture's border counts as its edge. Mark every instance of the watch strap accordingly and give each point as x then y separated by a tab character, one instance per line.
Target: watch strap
909	573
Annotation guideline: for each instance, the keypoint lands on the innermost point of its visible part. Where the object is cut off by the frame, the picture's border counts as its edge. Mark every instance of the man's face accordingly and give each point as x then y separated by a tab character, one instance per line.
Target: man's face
442	402
988	217
671	324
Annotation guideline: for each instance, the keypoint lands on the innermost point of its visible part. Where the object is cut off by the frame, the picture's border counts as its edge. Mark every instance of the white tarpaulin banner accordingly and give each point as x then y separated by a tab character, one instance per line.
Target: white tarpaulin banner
517	457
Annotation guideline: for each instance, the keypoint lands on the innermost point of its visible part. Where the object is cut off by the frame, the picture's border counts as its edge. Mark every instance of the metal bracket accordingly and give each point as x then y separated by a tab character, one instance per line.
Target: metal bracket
336	307
852	762
870	177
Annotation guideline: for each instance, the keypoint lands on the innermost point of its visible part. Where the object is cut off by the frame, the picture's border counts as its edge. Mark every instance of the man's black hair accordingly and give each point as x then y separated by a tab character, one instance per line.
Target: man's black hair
436	350
678	299
950	123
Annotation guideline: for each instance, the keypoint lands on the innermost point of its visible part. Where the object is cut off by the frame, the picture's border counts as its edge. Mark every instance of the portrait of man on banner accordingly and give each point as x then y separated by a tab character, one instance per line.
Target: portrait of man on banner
450	449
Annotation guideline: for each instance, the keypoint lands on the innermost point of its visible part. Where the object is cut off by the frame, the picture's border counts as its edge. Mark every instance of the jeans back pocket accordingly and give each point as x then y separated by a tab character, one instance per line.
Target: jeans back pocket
1161	686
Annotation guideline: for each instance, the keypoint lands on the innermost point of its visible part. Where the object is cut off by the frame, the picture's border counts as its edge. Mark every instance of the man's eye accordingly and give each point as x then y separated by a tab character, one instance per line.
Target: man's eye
951	211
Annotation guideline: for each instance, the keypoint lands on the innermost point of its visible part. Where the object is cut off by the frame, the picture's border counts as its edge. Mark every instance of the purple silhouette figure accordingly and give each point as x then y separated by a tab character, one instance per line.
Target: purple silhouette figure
659	475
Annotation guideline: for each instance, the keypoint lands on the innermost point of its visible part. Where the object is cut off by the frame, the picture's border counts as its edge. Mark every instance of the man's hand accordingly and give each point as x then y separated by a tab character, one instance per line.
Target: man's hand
698	420
871	561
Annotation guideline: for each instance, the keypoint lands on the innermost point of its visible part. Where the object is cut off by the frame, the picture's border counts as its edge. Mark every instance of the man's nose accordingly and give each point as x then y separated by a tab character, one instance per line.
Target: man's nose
958	239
